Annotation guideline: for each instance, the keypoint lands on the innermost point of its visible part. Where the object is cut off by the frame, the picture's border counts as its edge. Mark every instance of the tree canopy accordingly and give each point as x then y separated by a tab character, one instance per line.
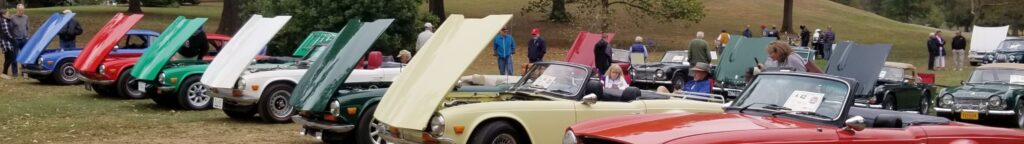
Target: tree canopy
642	10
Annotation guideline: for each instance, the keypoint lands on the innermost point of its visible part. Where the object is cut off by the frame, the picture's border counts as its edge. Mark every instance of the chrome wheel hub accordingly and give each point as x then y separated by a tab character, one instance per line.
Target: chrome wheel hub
279	103
504	139
375	133
197	95
68	73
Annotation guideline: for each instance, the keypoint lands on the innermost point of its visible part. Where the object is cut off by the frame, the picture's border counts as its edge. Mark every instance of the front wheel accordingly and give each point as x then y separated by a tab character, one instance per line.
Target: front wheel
1020	114
66	74
677	81
273	105
368	132
127	86
889	102
499	132
239	115
193	95
926	103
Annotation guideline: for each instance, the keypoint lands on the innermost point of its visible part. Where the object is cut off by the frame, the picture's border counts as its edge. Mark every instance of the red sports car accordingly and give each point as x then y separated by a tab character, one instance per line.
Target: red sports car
789	108
582	52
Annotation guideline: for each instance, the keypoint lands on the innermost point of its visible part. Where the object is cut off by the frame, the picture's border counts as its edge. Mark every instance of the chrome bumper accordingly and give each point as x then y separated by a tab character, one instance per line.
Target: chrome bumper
988	112
228	95
652	81
96	82
36	71
390	137
323	126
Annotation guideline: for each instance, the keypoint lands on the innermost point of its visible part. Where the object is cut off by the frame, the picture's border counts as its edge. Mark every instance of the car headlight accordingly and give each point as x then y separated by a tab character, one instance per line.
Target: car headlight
946	101
40	61
996	103
658	73
240	84
632	72
335	108
437	126
990	57
160	78
569	138
100	69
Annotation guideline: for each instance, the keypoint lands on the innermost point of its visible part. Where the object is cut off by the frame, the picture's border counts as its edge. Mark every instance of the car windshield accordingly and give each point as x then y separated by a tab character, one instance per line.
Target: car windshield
1011	45
560	80
817	97
997	76
675	57
312	56
891	74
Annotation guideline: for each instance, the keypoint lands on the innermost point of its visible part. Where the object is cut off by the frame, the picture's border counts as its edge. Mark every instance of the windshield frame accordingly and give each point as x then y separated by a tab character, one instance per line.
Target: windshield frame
520	87
843	110
666	59
1002	48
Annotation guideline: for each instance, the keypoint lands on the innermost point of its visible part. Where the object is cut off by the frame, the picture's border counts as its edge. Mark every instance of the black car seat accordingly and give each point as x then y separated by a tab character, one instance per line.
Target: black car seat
888	121
630	94
593	87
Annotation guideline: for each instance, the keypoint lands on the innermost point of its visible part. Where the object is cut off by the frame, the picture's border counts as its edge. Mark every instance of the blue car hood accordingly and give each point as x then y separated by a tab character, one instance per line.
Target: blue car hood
35	45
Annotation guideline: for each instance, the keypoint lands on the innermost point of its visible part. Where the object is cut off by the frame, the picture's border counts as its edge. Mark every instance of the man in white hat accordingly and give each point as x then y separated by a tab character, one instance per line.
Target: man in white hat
424	36
700	83
70	31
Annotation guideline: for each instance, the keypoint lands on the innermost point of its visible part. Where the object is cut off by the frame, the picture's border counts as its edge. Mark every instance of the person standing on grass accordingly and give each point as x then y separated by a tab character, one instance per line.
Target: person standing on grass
504	48
602	55
931	51
7	44
959	44
538	47
746	33
699	50
70	32
764	31
940	51
830	38
639	47
20	31
723	40
805	36
428	31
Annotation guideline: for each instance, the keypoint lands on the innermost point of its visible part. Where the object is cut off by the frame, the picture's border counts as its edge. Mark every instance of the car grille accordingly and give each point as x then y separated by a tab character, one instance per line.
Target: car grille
645	75
970	104
590	140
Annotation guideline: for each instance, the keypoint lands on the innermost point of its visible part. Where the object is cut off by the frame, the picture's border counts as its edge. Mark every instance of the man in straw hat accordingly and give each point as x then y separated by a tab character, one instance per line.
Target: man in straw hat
700	83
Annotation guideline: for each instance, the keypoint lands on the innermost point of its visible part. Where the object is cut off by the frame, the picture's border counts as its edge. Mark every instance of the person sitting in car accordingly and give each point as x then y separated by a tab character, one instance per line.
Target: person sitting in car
614	79
700	82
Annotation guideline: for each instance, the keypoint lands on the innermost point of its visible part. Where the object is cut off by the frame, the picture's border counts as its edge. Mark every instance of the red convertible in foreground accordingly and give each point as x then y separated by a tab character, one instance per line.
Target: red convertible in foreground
789	108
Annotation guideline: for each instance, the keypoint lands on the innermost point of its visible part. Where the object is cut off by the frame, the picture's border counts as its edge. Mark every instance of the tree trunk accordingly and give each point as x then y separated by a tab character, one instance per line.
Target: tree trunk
787	17
604	16
134	6
230	21
558	13
437	8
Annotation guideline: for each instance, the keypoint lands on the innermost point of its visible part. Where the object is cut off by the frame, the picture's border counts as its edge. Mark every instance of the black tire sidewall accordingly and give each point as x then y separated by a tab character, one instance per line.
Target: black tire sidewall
678	80
363	133
122	85
182	95
58	74
237	114
265	106
890	101
490	131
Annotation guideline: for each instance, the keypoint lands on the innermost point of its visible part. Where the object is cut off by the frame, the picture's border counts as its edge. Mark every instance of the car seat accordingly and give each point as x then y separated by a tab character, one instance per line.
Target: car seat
630	94
888	121
593	87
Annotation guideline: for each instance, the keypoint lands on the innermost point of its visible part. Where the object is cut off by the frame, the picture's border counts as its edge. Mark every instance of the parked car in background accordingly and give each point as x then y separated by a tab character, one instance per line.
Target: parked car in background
741	54
1010	50
984	41
993	92
423	105
51	65
899	88
672	71
788	107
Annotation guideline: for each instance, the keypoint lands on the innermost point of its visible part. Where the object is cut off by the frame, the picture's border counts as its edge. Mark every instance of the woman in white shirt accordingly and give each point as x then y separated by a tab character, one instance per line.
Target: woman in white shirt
614	79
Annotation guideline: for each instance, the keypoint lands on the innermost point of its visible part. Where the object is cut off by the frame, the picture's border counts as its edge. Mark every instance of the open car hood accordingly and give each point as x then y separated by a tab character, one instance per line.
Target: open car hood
104	41
582	51
986	39
860	62
312	40
239	52
164	47
35	45
739	56
415	94
335	64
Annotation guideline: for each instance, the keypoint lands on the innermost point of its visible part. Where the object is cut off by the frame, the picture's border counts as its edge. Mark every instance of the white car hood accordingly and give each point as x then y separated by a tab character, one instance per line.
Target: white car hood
241	50
986	39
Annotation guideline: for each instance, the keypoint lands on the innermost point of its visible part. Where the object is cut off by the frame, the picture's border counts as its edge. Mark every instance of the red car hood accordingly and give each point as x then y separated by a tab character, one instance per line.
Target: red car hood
659	128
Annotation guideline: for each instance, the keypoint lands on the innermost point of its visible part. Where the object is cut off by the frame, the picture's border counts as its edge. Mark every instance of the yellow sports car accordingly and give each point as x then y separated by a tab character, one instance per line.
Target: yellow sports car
426	104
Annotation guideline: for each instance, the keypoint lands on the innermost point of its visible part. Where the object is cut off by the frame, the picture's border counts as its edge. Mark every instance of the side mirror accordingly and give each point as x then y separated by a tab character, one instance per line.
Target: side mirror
589	99
726	105
855	123
963	82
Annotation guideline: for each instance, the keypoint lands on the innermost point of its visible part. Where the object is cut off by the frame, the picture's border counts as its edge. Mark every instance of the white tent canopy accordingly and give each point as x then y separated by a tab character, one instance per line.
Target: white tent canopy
986	39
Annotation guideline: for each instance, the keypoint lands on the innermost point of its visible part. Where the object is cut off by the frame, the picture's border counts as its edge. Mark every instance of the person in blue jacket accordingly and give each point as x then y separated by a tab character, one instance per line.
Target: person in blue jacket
639	47
504	48
700	83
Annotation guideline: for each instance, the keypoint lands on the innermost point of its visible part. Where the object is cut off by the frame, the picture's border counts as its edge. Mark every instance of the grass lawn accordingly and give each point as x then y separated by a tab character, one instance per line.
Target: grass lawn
69	114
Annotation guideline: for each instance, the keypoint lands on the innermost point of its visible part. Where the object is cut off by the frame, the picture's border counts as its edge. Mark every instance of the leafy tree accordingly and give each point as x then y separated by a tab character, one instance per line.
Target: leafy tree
230	21
331	15
904	10
957	13
643	10
134	6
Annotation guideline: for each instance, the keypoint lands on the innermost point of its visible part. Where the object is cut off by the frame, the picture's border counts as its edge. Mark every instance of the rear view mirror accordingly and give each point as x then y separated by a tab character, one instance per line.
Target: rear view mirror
963	82
855	123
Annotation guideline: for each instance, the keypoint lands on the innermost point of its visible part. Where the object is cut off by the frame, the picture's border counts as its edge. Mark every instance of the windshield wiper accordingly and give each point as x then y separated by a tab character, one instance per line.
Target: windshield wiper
558	91
810	113
767	106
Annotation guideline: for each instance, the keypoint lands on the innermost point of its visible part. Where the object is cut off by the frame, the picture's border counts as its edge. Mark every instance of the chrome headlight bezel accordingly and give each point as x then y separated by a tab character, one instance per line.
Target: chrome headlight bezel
437	125
946	101
160	77
659	73
240	84
334	108
569	137
100	69
40	61
995	103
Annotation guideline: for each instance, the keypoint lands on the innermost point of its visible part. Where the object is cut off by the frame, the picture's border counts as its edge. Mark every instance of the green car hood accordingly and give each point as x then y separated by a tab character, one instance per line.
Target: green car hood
860	62
739	56
335	64
981	90
165	46
312	40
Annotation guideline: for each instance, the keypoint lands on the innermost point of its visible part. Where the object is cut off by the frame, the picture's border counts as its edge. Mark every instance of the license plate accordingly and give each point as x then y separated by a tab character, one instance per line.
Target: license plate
310	132
142	87
218	103
969	115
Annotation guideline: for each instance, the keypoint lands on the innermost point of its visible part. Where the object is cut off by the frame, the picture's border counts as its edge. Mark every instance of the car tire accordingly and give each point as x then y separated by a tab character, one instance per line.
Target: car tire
65	74
498	132
1020	113
192	95
975	64
367	130
273	105
239	115
127	86
926	103
329	137
677	81
889	102
101	90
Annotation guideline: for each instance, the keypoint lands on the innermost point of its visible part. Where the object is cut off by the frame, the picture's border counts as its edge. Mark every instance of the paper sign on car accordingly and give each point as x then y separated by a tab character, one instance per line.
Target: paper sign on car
804	101
679	59
714	55
1016	79
544	81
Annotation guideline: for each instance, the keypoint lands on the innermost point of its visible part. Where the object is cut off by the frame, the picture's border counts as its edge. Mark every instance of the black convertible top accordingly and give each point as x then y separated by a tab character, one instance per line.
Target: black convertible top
908	119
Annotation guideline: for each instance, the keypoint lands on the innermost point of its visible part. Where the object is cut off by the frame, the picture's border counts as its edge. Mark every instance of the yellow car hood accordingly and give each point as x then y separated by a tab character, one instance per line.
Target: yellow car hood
415	94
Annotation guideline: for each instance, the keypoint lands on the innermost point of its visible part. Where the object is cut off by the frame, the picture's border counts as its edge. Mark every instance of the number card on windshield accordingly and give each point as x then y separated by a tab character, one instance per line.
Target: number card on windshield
1016	79
544	81
679	59
804	101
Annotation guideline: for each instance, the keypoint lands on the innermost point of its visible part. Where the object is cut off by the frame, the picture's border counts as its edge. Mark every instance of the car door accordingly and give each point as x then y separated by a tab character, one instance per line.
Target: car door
881	135
607	108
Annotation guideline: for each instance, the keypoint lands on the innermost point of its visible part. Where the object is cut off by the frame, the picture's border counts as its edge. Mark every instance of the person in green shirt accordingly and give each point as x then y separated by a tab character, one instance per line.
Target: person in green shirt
699	50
